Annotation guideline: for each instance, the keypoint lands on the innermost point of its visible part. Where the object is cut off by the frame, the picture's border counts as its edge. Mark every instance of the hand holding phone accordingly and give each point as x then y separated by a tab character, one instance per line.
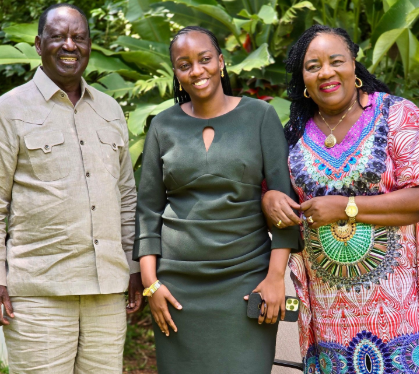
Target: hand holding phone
257	307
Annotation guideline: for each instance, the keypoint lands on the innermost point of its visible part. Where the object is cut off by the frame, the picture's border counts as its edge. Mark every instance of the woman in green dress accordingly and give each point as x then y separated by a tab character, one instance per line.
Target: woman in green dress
200	229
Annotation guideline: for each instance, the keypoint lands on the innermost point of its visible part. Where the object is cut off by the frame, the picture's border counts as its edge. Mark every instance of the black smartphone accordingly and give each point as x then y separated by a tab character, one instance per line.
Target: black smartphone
255	304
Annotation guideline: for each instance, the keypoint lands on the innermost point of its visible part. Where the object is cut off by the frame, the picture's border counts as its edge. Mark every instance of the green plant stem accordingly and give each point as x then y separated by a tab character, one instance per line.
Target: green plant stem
392	70
324	12
357	9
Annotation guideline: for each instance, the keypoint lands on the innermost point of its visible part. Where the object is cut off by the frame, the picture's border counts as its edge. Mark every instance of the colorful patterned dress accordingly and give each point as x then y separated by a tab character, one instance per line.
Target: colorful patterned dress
359	283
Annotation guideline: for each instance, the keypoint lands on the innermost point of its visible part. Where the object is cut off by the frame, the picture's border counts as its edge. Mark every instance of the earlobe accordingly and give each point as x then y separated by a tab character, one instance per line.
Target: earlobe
38	45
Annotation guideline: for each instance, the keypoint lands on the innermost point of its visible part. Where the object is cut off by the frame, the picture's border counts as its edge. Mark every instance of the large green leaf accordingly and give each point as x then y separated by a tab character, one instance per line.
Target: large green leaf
384	43
186	16
114	85
105	51
143	53
408	46
282	108
23	32
252	6
30	52
268	14
291	12
136	9
213	9
136	147
275	74
256	60
11	55
138	118
154	28
164	82
394	18
101	63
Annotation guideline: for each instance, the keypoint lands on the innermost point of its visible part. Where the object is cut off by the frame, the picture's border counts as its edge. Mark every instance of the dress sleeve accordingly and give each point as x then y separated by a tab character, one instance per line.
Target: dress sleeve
275	165
151	200
403	143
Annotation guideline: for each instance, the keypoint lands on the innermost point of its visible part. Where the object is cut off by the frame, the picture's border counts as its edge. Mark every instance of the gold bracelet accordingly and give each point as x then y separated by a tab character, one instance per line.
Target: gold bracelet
149	291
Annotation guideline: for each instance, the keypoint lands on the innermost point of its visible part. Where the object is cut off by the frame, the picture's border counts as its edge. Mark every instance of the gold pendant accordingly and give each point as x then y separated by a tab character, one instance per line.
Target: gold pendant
330	141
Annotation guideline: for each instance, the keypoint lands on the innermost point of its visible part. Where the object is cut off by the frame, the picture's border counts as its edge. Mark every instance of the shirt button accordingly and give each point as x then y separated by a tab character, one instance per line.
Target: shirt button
81	142
75	111
96	241
114	145
93	207
46	147
62	95
87	174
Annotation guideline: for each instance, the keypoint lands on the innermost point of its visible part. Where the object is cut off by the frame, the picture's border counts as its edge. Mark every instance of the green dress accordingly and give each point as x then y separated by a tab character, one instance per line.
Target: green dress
200	213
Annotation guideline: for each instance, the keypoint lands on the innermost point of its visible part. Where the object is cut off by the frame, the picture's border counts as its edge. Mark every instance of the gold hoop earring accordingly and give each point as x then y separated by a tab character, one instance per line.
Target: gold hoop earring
222	73
306	95
360	84
180	87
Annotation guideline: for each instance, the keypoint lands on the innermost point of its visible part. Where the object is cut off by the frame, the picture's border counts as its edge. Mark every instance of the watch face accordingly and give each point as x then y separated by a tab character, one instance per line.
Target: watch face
351	211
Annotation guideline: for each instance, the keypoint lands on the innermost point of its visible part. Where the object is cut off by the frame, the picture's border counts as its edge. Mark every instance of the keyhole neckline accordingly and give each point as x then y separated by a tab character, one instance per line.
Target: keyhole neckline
211	135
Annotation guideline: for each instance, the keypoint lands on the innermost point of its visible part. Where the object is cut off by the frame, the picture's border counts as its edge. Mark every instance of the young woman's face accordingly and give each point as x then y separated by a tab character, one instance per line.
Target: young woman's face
197	65
329	72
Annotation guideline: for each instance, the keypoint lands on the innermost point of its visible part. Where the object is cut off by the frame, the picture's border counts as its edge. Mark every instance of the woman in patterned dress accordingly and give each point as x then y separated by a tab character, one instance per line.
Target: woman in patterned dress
357	276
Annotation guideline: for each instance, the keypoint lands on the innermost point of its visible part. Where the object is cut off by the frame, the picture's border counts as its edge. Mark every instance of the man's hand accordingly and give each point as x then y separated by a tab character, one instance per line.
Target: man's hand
136	300
5	300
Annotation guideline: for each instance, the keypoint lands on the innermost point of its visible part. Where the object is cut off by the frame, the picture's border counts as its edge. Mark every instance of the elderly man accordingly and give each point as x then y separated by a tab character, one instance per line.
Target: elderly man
68	191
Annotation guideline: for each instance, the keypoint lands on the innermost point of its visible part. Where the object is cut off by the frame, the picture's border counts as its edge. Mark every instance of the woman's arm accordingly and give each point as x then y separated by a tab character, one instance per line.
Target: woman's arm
272	288
158	302
398	208
151	203
275	164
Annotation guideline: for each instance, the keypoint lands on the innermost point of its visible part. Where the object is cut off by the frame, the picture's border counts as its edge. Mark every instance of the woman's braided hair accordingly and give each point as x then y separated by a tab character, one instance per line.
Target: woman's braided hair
182	96
302	109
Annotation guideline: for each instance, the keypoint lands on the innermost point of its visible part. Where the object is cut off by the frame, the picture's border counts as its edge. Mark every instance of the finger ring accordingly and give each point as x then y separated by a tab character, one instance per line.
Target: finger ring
310	219
279	223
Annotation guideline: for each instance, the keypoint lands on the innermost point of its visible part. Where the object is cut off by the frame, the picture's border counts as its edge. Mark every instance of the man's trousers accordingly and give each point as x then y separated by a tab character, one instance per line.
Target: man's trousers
66	334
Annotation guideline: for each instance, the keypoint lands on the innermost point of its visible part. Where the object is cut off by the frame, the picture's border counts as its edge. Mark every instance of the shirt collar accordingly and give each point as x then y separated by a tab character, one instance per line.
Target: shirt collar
48	88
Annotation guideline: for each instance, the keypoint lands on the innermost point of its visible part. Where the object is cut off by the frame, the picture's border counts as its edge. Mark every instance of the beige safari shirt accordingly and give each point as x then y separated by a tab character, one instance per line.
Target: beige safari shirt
67	188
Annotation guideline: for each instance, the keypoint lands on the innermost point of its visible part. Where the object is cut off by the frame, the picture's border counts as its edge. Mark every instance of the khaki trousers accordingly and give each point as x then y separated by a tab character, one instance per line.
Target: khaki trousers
67	334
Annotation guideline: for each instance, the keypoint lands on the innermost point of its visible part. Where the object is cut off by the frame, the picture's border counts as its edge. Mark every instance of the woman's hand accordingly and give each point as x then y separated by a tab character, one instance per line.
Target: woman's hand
160	311
324	210
272	290
277	207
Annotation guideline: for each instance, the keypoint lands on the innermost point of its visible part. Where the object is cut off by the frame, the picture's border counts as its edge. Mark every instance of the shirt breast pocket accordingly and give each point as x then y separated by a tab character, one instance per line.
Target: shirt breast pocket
110	144
47	155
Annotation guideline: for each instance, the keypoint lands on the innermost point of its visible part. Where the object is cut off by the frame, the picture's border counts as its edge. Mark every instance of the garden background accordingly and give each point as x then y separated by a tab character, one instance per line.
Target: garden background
130	61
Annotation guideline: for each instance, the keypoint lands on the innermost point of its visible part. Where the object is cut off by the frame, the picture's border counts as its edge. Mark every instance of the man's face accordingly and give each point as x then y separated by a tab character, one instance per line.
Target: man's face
64	46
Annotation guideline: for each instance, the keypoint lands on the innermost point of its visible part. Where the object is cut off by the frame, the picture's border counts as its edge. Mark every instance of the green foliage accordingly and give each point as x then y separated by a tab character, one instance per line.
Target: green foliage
4	369
130	59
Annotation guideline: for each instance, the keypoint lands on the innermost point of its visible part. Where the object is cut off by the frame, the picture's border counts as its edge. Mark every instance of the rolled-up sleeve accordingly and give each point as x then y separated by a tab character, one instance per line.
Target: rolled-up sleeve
151	200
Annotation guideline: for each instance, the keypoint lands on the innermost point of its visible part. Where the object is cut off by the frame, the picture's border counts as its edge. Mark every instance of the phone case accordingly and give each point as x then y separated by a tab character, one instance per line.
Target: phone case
292	307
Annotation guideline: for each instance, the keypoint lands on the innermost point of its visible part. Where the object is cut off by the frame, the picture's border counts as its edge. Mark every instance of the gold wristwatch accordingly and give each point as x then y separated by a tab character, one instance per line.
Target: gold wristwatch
351	209
149	291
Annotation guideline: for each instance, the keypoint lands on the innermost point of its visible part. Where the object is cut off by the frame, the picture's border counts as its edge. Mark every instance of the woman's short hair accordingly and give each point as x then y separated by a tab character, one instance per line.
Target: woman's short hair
182	96
302	109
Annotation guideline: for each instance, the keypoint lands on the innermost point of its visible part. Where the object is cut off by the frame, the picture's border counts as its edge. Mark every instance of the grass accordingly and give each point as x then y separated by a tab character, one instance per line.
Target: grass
139	350
3	368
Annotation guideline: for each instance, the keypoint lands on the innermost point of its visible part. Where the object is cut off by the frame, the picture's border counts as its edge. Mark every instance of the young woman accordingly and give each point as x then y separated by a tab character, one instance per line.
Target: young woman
200	229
